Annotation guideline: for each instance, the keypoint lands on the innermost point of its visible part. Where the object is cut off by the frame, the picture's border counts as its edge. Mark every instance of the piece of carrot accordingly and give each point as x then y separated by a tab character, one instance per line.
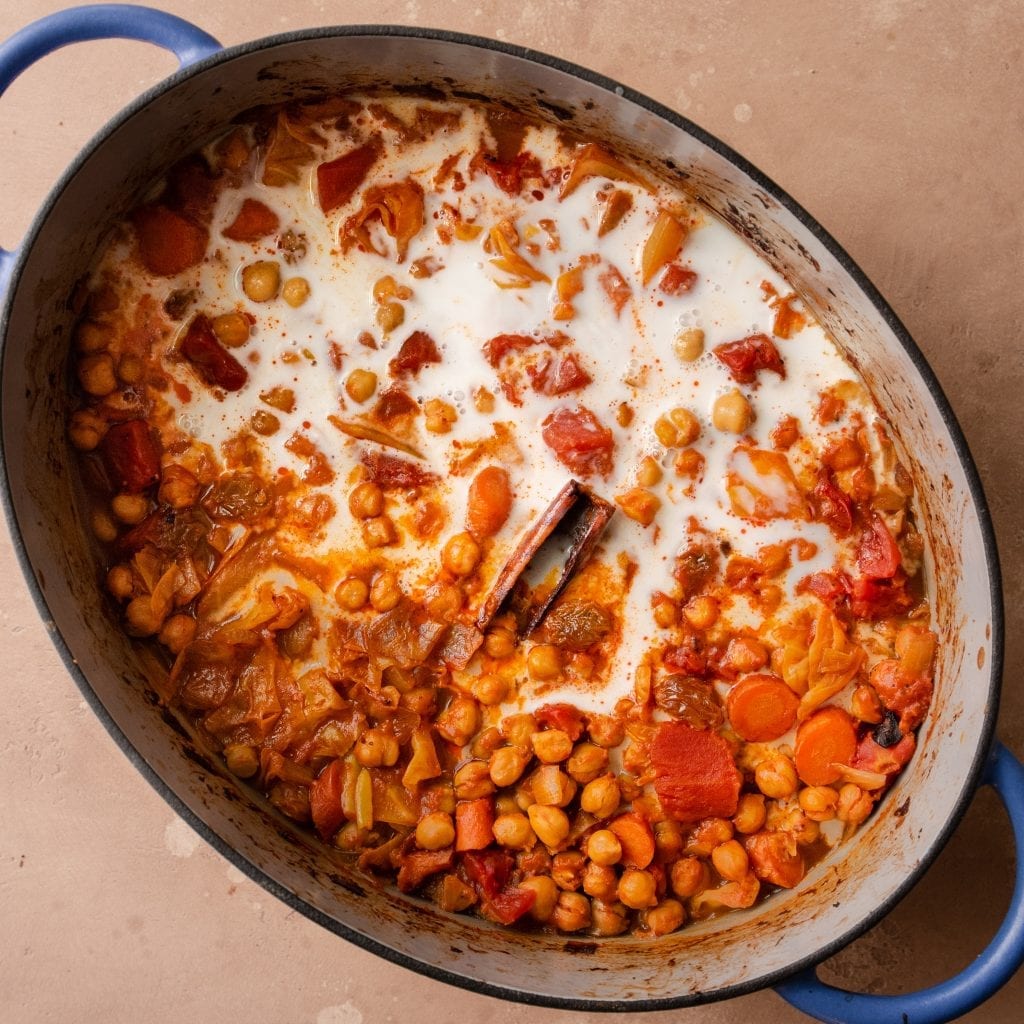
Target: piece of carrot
337	180
255	220
474	824
694	773
827	738
325	799
168	242
761	708
636	837
776	858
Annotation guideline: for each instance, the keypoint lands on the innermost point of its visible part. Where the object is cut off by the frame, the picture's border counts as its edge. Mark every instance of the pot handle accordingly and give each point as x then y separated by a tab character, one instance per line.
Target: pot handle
97	21
972	986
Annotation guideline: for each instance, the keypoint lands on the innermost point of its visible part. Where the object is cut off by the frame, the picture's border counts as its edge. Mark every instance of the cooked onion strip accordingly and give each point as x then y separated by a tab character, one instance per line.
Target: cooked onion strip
367	432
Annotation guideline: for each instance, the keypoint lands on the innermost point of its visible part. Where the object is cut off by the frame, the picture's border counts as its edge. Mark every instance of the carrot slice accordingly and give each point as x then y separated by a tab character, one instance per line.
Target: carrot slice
474	821
827	738
695	775
761	708
636	837
325	799
255	220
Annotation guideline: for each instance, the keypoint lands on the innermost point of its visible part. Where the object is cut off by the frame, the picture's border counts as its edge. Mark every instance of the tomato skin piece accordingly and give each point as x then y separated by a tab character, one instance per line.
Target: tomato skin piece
212	361
337	180
695	774
131	456
744	358
579	440
255	220
826	738
878	555
761	708
325	799
831	505
775	858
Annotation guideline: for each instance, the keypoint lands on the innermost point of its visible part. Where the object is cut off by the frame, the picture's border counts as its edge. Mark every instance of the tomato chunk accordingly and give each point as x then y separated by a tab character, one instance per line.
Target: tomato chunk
695	775
579	440
212	361
254	221
561	716
903	693
169	243
489	870
508	906
418	865
337	180
878	555
677	280
745	357
417	351
558	375
873	757
131	456
325	799
831	505
776	858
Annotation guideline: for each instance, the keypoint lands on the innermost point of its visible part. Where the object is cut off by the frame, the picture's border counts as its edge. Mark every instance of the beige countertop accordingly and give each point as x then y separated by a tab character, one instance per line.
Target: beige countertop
899	125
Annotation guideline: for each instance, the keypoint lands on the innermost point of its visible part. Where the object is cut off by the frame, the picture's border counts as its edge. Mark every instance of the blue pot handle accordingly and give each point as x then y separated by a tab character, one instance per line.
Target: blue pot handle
97	21
972	986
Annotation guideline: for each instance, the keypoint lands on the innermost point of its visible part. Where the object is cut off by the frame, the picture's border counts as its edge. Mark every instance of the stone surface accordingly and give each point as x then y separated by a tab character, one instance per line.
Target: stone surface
899	125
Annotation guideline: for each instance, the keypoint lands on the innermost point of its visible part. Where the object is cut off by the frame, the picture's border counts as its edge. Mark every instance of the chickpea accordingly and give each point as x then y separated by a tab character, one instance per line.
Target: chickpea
438	416
567	869
854	804
261	280
711	832
665	918
385	592
601	797
295	291
351	593
459	721
360	385
131	369
178	487
96	375
732	413
131	509
624	414
266	424
587	761
505	803
639	504
444	601
390	316
177	633
379	532
865	705
572	912
551	746
92	337
549	785
750	814
499	643
232	329
461	555
701	612
435	831
514	831
242	760
489	689
518	729
486	742
665	431
730	860
666	613
472	781
483	400
649	472
141	618
376	748
637	889
688	876
606	731
686	424
544	661
546	896
366	500
819	803
689	344
604	848
508	765
600	881
350	837
745	654
104	527
609	918
86	430
550	823
776	777
120	582
668	840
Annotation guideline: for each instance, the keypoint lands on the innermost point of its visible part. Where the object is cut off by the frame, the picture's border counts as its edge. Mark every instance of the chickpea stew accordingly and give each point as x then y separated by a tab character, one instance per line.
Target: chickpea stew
334	376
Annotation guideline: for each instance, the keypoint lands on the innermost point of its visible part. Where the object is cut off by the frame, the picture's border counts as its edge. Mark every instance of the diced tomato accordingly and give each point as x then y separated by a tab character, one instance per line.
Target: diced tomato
254	221
417	351
878	555
878	599
615	287
508	175
561	716
191	190
325	799
510	905
131	456
826	586
579	440
695	775
169	243
908	696
873	757
745	357
558	376
393	404
489	870
214	363
831	505
390	472
474	824
677	280
500	345
775	858
418	865
687	657
337	180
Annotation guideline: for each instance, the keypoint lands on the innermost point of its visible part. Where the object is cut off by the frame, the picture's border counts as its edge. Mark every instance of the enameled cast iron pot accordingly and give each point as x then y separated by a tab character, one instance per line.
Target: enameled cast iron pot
783	938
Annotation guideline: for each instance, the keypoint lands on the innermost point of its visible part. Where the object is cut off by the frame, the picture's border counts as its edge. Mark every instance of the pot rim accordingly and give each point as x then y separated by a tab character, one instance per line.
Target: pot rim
848	264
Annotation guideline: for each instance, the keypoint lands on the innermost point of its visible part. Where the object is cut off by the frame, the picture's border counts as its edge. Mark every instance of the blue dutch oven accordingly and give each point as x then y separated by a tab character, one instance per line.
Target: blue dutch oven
777	943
